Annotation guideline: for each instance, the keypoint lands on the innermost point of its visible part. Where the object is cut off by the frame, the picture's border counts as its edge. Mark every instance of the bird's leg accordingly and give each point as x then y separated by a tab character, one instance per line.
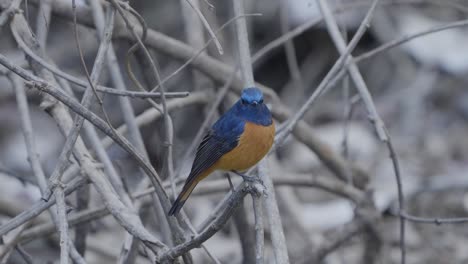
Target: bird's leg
250	179
230	182
255	184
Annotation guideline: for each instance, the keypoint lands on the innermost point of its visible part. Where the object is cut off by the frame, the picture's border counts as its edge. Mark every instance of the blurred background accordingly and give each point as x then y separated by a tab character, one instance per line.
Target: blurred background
418	87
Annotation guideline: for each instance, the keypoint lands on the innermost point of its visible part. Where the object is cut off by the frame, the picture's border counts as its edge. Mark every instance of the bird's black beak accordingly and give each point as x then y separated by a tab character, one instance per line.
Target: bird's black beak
255	103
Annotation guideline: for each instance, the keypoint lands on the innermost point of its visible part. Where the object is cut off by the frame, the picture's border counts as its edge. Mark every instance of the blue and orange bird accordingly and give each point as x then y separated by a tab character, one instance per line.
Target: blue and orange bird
237	141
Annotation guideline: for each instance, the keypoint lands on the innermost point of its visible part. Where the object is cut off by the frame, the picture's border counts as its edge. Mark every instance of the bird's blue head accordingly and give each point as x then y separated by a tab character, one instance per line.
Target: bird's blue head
251	108
252	96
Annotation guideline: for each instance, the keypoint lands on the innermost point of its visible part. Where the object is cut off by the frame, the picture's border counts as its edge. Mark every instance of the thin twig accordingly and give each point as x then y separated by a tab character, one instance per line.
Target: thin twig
63	224
207	26
26	257
434	220
401	199
259	230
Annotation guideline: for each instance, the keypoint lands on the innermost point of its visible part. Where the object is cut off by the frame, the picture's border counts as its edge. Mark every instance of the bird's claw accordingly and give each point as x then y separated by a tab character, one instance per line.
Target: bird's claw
256	188
252	179
256	185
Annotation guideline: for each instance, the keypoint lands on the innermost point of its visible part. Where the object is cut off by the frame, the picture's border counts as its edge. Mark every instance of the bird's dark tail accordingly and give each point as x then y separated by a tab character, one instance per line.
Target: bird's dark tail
176	207
183	196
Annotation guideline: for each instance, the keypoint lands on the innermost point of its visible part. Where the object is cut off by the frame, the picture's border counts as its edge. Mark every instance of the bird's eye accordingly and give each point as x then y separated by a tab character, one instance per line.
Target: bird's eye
260	101
243	101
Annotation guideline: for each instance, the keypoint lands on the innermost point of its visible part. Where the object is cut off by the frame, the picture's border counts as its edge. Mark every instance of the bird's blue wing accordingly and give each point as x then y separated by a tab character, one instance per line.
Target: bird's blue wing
222	138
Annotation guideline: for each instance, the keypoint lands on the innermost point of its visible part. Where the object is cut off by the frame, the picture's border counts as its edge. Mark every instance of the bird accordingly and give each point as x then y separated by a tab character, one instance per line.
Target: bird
237	141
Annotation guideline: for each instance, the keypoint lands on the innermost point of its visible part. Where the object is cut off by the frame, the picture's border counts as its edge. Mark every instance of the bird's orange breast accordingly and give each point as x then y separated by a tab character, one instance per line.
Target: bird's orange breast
253	145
